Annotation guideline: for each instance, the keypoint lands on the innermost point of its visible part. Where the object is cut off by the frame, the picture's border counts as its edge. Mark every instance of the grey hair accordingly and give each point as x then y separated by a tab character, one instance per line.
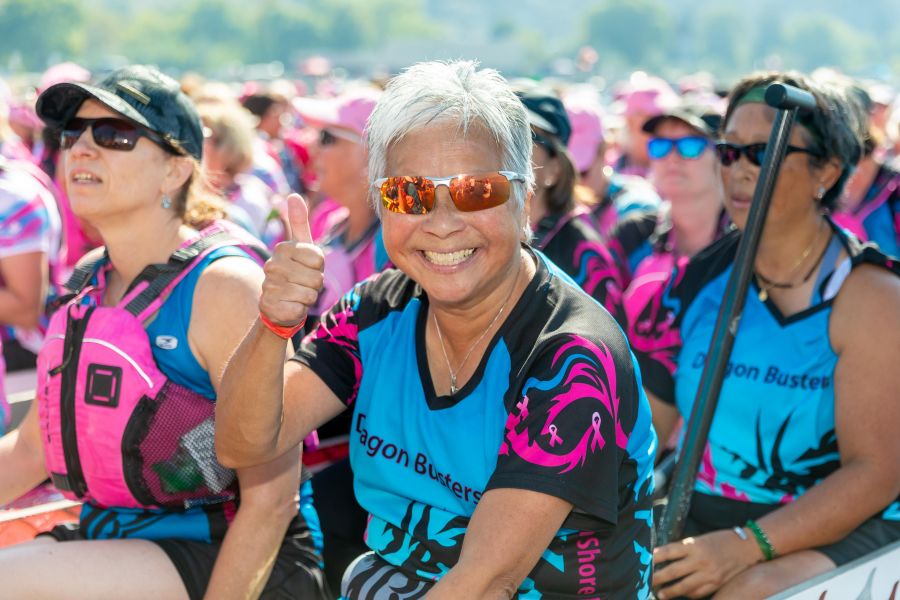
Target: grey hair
456	92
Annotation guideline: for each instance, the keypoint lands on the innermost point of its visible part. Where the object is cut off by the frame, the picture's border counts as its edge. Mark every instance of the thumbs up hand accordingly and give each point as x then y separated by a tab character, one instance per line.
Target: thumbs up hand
295	273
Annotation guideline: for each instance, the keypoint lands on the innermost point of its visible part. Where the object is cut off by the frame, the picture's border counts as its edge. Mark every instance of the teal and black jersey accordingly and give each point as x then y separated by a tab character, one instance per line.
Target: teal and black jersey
568	241
773	436
555	406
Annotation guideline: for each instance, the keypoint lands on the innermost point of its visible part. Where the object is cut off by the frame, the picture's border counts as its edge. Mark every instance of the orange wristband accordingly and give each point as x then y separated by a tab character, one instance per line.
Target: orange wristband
283	332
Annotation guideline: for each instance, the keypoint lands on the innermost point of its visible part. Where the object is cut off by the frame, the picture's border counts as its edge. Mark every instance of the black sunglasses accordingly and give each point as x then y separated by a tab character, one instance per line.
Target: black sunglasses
111	133
327	137
756	153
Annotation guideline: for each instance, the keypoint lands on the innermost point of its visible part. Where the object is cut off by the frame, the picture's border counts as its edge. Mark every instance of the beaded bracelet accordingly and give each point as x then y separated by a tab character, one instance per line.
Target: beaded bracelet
284	332
762	539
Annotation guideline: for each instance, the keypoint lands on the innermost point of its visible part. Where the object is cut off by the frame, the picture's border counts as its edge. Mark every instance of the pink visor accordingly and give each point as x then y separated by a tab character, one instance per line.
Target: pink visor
350	110
587	134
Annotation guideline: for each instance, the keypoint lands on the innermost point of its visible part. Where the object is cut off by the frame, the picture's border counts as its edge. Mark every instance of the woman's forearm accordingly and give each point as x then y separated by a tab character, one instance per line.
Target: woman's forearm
254	538
22	457
248	554
18	311
470	584
249	407
829	511
22	298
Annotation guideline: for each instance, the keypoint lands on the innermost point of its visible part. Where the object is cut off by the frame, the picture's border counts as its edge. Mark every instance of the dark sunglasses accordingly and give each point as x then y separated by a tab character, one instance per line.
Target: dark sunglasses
327	137
111	133
756	153
689	147
411	195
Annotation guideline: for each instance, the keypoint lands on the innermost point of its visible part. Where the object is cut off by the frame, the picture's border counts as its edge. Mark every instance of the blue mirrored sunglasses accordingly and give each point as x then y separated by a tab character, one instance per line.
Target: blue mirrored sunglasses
689	147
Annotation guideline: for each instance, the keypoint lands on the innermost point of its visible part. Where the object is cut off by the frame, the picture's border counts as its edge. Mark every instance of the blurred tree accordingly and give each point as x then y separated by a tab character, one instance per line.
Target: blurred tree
212	22
722	41
503	29
822	40
398	19
155	37
39	30
667	37
637	31
281	30
769	39
212	27
345	27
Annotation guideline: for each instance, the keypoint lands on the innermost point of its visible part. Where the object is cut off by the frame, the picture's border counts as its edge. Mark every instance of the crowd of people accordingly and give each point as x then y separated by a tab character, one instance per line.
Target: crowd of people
491	300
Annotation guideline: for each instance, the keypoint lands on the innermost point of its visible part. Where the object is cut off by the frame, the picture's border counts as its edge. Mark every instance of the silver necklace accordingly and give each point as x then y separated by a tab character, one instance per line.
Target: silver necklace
453	388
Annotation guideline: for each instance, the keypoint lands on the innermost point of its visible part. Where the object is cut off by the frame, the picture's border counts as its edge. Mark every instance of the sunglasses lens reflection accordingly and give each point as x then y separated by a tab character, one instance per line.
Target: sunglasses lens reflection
730	153
691	147
469	193
109	133
408	195
658	148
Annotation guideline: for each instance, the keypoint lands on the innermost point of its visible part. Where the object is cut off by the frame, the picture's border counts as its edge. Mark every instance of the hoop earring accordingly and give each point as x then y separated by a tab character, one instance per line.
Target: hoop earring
166	202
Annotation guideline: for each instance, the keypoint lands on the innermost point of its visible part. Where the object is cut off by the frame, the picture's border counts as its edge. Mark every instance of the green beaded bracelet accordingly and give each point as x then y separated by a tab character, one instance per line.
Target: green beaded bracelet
762	539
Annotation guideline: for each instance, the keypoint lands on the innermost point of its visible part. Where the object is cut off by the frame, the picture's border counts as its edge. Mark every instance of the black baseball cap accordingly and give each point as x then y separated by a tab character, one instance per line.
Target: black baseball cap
141	94
546	111
702	118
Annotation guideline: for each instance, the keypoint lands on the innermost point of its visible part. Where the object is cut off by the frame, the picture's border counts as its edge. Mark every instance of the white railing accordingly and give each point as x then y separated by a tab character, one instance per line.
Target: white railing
872	577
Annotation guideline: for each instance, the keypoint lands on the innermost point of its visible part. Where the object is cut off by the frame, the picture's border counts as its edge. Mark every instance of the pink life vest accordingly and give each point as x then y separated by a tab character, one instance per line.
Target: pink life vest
116	430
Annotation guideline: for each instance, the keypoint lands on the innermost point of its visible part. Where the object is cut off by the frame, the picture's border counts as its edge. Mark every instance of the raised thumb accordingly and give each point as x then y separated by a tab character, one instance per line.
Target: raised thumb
298	219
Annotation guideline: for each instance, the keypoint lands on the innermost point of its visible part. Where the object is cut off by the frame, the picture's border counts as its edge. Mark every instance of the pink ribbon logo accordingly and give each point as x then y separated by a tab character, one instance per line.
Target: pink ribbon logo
554	439
523	407
598	441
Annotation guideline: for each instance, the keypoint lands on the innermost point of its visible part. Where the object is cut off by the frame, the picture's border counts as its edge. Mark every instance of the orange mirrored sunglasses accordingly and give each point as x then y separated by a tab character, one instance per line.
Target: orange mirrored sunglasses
414	195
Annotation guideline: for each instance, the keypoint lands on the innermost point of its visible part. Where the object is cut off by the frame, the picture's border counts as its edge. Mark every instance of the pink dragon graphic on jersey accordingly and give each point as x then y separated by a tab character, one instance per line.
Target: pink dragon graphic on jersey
651	328
583	381
340	328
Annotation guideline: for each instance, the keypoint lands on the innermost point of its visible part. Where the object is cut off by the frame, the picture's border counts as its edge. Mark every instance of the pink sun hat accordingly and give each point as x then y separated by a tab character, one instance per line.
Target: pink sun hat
647	95
588	132
62	73
350	110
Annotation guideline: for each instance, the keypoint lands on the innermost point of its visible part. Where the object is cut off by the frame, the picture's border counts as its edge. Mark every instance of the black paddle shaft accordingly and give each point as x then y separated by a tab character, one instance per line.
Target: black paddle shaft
787	100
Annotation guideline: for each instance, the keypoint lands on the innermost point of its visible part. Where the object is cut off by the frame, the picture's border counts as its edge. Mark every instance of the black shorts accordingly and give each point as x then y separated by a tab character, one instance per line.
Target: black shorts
710	513
296	573
17	357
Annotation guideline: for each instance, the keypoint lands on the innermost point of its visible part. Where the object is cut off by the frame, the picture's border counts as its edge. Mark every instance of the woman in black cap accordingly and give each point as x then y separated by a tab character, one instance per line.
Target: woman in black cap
128	377
686	173
560	232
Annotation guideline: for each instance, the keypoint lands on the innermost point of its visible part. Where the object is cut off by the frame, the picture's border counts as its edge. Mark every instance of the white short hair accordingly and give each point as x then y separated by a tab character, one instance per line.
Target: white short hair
455	92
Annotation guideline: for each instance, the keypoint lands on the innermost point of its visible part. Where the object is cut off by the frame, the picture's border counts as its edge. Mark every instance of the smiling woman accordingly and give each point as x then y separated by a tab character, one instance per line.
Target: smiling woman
507	400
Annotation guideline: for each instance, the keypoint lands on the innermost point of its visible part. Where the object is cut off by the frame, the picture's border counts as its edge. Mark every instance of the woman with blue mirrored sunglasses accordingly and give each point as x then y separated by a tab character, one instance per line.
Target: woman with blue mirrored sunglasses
689	147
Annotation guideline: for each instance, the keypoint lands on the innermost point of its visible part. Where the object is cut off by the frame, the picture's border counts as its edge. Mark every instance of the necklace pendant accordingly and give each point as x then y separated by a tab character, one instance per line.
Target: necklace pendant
453	388
763	294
